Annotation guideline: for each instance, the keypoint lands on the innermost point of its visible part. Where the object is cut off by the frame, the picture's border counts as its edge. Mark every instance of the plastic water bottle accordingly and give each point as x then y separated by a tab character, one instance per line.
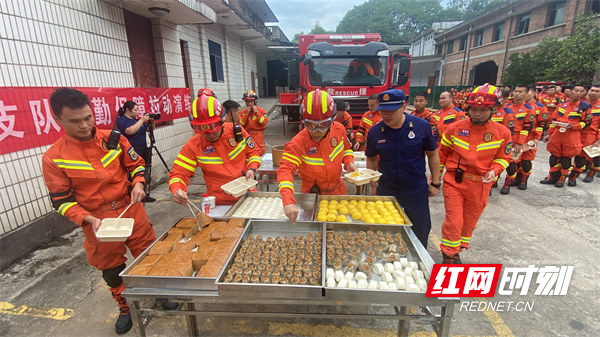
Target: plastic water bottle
205	203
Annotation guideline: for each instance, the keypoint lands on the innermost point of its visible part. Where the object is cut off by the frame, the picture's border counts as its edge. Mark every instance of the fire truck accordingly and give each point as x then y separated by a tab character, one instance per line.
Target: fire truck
350	67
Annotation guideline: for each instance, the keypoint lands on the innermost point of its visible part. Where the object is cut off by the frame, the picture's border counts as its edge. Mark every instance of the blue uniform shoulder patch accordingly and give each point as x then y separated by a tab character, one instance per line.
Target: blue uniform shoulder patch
132	154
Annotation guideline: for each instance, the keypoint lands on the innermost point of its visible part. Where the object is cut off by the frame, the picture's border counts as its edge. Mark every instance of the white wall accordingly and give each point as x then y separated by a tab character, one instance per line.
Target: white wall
83	43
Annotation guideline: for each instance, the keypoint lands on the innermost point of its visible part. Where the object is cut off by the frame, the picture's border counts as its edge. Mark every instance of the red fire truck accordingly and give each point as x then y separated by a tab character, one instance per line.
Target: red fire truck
350	67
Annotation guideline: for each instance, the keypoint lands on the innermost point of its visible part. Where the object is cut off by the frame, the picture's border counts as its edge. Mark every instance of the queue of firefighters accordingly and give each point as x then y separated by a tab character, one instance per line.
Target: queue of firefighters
91	176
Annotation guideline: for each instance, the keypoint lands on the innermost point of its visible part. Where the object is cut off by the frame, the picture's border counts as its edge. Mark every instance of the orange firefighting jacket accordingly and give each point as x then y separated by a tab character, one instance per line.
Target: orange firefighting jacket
572	113
524	121
426	114
592	133
221	162
366	122
316	162
83	176
255	124
505	116
443	118
479	148
346	120
542	117
547	100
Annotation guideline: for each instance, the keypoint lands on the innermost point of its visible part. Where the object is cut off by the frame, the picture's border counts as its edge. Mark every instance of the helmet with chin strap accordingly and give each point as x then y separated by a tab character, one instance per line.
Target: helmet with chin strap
485	95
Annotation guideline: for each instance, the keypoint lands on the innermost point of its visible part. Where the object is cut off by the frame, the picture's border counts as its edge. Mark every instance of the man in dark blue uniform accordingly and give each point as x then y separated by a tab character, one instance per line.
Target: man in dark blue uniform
402	141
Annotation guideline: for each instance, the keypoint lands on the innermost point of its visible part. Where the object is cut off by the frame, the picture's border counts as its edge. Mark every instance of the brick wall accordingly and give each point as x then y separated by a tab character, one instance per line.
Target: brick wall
84	44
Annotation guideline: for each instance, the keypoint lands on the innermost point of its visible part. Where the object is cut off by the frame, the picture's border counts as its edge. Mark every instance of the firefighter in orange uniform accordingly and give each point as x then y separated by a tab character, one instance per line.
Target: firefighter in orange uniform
254	120
421	110
541	123
317	153
447	115
474	152
343	117
88	182
550	99
564	142
367	120
216	150
589	136
524	121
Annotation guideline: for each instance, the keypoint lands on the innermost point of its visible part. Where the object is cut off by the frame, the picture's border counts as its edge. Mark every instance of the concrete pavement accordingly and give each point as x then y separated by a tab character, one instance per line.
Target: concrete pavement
53	292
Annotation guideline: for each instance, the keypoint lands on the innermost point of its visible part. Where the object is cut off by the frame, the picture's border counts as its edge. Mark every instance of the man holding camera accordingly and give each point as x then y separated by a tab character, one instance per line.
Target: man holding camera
474	151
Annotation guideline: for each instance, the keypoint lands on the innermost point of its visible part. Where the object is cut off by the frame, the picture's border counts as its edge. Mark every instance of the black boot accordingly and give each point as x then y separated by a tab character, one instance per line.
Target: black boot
447	259
517	180
589	177
457	259
124	322
551	179
523	185
561	181
507	184
573	178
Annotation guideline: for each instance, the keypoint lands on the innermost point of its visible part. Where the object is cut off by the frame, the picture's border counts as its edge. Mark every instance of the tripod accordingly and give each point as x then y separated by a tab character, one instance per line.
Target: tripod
149	158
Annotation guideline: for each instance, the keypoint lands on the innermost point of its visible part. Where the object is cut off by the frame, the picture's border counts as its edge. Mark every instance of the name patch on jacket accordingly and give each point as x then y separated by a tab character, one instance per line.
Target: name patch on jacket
381	141
463	132
311	150
209	149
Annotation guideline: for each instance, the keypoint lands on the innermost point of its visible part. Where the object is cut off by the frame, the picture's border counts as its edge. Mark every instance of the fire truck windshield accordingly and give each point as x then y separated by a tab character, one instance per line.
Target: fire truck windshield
345	71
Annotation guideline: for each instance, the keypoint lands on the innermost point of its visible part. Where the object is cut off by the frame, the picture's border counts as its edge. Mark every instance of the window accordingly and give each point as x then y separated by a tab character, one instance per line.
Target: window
523	26
595	7
498	31
438	49
463	43
556	12
451	47
478	38
216	61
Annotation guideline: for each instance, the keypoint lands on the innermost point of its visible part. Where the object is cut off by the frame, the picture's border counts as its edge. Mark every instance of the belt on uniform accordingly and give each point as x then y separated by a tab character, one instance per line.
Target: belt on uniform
115	205
472	177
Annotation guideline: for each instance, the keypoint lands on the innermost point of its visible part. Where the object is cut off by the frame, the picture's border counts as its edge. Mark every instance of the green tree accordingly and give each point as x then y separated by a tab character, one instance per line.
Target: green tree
577	57
465	9
573	60
317	29
396	20
531	67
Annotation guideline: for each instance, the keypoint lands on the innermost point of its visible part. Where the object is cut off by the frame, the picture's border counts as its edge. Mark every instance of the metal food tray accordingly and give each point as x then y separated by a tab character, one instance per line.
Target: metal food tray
367	198
268	228
305	202
172	282
415	252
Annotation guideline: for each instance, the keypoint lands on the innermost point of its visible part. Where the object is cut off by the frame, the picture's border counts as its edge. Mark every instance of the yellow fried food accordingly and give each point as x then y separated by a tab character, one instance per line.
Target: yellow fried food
353	202
341	218
321	217
355	174
356	216
331	217
343	210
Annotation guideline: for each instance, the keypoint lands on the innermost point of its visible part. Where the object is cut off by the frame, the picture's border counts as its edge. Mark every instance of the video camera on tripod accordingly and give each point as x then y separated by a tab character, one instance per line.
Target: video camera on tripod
156	117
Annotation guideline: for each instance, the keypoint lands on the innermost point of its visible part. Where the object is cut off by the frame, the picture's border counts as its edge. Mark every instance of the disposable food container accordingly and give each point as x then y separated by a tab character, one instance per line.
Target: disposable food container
115	229
239	186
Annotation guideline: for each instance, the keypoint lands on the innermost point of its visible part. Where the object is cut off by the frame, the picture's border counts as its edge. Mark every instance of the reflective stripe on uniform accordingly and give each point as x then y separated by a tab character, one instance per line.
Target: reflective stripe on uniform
261	120
313	161
254	159
367	121
237	150
64	207
185	162
539	129
337	150
286	184
497	119
524	132
309	100
291	158
459	142
73	164
450	243
490	145
176	180
446	142
110	156
521	115
349	153
210	160
465	239
137	170
502	162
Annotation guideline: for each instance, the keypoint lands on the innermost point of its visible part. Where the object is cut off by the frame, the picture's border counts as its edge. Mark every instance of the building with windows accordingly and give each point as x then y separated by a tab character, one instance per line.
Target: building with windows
477	51
426	62
116	44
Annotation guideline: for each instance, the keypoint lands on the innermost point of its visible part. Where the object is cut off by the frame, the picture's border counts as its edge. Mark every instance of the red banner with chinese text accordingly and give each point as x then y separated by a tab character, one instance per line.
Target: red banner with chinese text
26	117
